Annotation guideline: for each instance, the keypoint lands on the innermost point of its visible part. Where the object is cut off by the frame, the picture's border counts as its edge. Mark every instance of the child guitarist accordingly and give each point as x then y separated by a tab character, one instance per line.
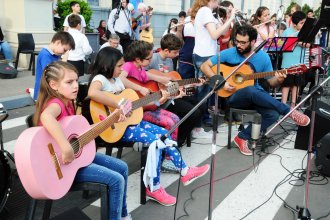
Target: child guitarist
59	87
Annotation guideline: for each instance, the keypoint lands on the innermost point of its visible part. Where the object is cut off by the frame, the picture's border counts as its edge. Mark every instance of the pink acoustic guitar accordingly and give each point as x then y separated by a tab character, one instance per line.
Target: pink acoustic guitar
38	159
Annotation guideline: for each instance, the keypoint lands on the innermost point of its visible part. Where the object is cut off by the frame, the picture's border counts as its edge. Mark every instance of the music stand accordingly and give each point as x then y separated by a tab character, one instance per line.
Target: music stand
309	30
278	45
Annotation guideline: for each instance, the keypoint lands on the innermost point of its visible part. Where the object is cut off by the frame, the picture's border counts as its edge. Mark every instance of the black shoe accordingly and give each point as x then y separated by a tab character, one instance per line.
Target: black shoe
237	118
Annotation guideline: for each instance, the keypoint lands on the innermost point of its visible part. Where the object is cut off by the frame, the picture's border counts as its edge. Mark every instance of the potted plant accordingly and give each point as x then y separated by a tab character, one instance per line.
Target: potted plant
63	9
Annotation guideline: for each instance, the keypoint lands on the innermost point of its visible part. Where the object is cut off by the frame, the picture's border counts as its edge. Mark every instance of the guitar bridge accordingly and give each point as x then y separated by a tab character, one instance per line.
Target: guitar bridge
55	160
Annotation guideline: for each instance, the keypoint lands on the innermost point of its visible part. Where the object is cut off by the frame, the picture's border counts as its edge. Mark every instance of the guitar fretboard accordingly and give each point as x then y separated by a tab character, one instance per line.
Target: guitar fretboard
263	75
146	100
91	134
183	82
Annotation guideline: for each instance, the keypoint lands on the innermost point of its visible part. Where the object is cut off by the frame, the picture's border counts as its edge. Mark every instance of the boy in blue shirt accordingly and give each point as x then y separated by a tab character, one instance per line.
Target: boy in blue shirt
60	45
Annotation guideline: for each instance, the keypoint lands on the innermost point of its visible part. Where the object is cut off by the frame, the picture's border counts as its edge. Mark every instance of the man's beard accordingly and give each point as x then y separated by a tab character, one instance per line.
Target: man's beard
245	51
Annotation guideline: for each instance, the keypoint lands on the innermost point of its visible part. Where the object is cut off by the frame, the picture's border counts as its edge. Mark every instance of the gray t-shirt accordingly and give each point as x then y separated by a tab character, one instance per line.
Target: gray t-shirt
158	63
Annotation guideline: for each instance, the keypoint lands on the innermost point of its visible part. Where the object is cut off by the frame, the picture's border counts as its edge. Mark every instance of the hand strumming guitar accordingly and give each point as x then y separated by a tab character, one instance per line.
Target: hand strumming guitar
165	96
144	91
229	87
67	153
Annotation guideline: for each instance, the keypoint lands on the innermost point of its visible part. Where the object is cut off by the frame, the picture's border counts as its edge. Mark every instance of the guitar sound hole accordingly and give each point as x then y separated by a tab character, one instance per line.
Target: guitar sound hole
75	145
239	78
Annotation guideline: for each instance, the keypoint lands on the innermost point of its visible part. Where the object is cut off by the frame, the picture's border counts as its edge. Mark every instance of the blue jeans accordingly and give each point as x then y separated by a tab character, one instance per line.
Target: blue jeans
203	90
113	172
6	50
253	98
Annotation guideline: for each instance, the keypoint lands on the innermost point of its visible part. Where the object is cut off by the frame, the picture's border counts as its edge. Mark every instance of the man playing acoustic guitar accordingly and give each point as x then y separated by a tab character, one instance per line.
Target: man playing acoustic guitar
252	97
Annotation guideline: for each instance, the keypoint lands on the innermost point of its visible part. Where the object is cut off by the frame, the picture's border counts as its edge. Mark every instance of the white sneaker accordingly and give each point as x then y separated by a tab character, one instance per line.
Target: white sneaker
11	64
200	133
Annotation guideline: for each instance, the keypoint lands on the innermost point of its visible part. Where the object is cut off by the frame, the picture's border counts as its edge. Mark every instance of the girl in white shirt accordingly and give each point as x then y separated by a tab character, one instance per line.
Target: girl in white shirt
206	35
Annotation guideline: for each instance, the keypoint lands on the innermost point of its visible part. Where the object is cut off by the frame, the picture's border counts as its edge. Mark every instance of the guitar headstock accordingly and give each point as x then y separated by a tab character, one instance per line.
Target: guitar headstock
297	69
190	91
172	88
125	105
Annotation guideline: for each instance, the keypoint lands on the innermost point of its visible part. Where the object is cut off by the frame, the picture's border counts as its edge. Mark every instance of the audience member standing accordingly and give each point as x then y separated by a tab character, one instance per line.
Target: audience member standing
102	32
143	22
120	23
82	48
75	8
187	34
6	49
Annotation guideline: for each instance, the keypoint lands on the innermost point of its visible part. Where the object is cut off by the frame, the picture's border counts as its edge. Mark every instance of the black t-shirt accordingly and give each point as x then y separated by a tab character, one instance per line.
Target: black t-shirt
1	35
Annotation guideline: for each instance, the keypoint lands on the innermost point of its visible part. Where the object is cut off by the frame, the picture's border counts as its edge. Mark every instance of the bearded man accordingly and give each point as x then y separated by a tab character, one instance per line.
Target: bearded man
252	97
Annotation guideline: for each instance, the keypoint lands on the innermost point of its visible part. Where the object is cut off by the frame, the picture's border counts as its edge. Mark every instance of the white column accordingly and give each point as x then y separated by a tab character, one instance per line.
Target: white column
105	3
27	16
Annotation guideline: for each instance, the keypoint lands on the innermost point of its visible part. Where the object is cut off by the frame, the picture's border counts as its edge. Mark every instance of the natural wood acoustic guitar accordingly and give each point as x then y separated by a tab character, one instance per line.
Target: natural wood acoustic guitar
245	76
114	133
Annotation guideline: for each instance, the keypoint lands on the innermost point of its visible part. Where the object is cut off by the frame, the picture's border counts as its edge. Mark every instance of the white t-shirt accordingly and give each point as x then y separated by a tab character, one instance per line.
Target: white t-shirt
204	45
189	29
108	86
83	23
107	44
82	47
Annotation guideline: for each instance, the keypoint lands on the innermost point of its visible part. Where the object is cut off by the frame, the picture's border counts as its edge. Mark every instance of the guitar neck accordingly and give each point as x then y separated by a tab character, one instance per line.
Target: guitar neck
138	17
91	134
183	82
263	74
146	100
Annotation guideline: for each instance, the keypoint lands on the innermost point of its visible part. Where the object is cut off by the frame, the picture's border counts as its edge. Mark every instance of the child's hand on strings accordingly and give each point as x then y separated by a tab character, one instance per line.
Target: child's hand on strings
67	154
144	91
165	96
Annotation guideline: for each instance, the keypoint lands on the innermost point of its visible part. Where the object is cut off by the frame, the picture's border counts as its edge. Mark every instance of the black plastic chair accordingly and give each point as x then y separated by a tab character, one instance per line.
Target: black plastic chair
26	45
76	186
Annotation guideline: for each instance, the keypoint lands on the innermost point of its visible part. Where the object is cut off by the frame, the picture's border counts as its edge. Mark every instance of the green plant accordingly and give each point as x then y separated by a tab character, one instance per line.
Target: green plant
317	12
305	8
288	9
63	8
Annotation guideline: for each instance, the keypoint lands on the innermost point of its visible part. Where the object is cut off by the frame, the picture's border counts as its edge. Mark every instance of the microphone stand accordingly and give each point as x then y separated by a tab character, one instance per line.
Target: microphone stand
216	82
303	212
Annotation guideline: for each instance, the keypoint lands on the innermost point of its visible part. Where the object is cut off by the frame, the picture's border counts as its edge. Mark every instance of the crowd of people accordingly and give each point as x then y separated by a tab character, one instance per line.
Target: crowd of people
191	44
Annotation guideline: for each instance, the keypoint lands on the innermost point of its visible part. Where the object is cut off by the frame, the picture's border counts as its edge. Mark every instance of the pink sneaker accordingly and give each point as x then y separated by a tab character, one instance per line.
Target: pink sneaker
161	196
300	118
194	173
242	146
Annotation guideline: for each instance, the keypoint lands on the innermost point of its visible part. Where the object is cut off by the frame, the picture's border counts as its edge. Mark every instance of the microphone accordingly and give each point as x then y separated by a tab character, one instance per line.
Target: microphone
118	11
260	46
256	127
279	13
